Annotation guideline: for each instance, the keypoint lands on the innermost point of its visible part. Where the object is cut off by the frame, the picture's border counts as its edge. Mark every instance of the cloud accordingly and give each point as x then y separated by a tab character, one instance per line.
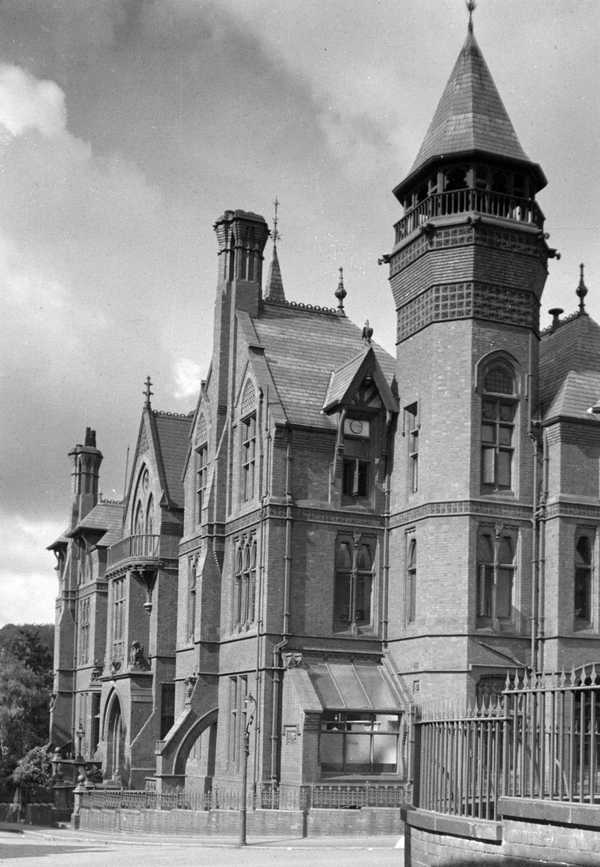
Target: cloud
187	374
28	585
29	104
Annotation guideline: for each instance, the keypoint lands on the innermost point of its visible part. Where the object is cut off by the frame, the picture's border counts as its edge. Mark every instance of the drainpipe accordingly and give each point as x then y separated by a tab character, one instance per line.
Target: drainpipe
386	536
277	649
264	473
535	522
542	557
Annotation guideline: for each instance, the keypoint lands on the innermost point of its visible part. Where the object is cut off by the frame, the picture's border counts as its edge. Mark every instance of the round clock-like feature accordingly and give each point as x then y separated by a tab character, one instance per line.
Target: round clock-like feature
356	427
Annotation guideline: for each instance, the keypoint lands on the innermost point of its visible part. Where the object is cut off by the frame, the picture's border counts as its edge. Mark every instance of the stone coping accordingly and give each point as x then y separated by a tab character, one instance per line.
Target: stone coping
457	826
550	812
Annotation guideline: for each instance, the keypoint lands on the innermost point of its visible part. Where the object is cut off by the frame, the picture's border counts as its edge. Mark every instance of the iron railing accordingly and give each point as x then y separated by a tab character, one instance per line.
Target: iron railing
540	739
459	760
453	202
265	796
554	725
143	546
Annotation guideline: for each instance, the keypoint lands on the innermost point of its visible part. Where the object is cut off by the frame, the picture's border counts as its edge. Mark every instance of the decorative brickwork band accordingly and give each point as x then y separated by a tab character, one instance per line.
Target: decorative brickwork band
527	243
468	300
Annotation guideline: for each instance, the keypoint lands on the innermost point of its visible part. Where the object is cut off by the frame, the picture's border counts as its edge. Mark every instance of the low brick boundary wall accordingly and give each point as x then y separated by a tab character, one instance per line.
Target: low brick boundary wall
528	832
291	823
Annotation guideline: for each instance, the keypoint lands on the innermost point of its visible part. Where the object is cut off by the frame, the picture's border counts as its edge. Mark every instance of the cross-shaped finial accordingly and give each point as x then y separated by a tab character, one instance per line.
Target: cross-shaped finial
471	8
276	235
147	393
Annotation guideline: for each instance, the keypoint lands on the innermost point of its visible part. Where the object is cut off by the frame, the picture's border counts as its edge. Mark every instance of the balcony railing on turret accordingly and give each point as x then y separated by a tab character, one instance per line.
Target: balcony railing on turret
467	201
146	548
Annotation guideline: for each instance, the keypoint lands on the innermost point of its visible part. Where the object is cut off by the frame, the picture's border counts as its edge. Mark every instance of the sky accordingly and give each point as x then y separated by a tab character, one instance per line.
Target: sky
128	126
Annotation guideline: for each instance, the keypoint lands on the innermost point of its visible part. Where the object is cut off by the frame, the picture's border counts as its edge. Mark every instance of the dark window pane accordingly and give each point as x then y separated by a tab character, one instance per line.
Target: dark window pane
342	614
504	466
363	599
504	593
499	380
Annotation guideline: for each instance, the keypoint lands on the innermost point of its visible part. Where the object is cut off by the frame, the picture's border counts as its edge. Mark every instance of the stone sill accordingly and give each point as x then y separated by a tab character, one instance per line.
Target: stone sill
550	812
456	826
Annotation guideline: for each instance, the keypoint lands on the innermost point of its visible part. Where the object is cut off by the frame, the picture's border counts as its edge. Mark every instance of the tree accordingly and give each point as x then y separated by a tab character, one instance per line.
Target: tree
25	684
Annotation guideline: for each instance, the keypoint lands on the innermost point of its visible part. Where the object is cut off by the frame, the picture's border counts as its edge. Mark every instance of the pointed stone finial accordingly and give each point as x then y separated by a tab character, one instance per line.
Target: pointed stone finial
340	292
367	333
471	5
581	290
148	393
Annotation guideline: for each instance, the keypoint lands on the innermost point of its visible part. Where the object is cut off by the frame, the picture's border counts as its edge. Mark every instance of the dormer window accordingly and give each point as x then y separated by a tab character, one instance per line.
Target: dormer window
356	480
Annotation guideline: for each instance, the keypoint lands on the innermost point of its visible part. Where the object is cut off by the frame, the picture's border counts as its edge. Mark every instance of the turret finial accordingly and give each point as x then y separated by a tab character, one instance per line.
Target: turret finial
147	393
275	233
581	290
471	5
340	292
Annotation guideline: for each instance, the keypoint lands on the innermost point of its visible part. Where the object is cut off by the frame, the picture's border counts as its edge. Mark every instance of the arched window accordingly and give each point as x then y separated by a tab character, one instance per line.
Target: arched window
138	524
354	560
498	411
496	555
582	596
244	590
150	517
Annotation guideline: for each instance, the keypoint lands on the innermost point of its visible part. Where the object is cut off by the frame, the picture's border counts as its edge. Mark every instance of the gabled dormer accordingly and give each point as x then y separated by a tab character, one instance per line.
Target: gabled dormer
361	398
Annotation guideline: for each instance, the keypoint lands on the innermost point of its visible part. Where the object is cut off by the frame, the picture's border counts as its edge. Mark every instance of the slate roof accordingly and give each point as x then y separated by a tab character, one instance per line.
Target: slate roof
302	348
578	392
60	542
470	115
352	372
106	516
173	431
573	346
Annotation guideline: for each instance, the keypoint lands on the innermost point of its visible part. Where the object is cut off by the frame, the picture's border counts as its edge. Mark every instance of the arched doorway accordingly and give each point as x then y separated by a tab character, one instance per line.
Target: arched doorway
115	741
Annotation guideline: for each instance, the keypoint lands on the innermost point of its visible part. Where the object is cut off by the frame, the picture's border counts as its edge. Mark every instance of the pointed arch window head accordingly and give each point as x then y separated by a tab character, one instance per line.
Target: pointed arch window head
499	405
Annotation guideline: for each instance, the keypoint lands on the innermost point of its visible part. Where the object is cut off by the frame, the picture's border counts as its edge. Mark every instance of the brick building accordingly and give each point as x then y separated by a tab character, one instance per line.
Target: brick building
335	533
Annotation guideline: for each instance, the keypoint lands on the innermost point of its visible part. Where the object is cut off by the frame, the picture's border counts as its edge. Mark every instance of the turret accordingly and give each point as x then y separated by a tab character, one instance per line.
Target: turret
86	467
471	180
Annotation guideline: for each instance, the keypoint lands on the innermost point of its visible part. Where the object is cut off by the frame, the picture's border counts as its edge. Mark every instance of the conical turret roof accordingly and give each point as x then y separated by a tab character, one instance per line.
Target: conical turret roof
470	117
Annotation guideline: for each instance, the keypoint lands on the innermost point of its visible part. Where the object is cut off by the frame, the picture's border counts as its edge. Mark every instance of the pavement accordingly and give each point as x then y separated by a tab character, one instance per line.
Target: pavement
84	836
58	847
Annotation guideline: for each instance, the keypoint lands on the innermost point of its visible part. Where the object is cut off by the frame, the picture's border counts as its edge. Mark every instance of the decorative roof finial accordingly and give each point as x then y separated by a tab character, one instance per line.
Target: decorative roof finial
581	290
471	5
367	333
275	233
147	393
340	292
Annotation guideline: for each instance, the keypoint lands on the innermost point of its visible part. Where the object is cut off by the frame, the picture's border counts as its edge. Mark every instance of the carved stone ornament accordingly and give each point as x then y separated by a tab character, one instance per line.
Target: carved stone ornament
137	659
292	659
190	683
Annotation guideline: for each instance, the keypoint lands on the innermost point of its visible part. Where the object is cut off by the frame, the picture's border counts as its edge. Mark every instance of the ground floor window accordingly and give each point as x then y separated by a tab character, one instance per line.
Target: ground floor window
357	742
